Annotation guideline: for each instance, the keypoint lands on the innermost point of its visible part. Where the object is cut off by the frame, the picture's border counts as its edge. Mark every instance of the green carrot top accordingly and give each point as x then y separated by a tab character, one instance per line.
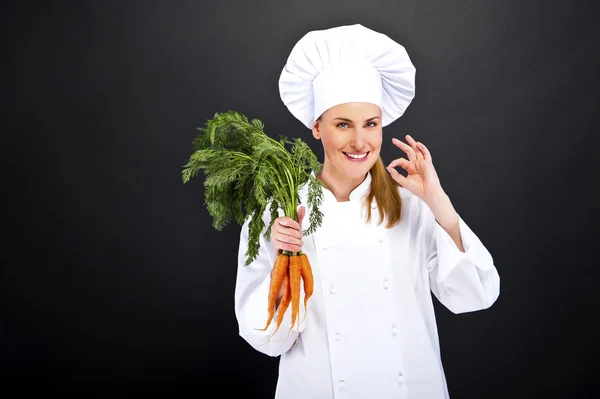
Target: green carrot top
247	171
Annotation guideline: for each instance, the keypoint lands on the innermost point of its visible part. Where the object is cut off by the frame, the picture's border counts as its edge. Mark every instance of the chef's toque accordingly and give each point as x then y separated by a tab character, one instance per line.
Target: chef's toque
346	64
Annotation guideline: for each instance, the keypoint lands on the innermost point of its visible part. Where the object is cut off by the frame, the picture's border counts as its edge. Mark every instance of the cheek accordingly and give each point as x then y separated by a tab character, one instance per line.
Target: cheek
377	141
330	143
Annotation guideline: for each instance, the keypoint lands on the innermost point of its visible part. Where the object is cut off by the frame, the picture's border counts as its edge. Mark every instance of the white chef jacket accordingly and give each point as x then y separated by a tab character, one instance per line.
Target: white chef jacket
370	329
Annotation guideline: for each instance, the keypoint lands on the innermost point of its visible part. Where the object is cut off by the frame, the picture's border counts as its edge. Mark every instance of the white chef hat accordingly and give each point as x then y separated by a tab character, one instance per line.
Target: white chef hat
346	64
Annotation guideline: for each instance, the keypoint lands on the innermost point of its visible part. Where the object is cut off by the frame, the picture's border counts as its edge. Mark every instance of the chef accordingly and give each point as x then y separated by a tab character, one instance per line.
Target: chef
386	243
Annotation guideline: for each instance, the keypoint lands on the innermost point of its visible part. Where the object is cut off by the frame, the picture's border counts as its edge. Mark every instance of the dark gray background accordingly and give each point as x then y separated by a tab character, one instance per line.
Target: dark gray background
113	279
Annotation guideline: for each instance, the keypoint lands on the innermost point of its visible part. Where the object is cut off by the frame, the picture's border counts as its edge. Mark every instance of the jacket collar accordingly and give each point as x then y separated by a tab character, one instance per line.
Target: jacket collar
356	195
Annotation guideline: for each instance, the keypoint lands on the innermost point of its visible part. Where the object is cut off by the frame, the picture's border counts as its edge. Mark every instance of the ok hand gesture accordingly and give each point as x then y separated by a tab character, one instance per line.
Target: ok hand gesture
421	178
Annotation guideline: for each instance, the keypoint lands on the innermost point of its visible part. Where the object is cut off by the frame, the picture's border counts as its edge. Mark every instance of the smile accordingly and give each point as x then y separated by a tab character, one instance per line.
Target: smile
356	156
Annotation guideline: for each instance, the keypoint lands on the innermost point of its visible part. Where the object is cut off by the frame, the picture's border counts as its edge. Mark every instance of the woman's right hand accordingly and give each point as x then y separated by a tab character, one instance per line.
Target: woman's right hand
286	233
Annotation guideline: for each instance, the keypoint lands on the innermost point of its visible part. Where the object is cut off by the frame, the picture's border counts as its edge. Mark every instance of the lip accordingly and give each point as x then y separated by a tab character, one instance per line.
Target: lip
354	159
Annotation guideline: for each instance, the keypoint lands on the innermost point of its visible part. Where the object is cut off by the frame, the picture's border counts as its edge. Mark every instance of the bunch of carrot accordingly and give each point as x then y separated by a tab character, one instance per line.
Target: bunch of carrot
288	272
246	170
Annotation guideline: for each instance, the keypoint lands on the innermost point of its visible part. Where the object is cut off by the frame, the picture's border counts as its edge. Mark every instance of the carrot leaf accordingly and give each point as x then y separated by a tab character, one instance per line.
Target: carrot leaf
247	173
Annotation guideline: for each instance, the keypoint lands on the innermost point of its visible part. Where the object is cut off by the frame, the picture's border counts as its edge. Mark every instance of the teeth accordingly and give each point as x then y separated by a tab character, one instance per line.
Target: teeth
357	156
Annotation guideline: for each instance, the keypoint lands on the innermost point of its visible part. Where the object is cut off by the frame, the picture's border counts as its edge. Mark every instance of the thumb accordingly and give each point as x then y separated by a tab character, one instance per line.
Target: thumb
301	213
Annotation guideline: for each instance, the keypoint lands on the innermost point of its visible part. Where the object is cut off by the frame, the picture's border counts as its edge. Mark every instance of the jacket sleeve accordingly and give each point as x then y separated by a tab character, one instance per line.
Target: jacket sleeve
462	281
251	300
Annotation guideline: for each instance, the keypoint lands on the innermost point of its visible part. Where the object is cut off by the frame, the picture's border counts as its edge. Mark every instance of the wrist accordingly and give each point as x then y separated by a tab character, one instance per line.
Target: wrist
437	199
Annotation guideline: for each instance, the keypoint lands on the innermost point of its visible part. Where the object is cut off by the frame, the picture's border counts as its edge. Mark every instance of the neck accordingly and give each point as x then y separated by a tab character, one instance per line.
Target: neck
339	184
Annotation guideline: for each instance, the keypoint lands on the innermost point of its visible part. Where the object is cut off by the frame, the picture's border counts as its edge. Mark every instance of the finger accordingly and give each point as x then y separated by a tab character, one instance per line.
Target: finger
289	222
403	181
414	146
288	231
424	150
406	148
288	246
402	162
301	214
288	239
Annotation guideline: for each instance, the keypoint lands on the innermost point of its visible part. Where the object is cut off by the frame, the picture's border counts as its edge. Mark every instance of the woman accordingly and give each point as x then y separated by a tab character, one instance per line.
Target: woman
385	244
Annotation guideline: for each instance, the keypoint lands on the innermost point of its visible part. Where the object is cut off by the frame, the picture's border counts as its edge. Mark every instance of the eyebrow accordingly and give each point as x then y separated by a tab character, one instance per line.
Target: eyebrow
350	120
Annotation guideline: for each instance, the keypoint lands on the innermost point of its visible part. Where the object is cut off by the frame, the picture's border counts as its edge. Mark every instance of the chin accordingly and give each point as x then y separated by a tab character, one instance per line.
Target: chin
357	176
358	171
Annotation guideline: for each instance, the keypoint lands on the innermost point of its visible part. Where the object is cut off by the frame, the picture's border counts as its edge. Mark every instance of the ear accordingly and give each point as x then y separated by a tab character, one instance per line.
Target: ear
316	132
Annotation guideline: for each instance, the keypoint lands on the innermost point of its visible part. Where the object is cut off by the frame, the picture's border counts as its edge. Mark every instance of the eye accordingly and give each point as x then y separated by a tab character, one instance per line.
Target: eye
373	124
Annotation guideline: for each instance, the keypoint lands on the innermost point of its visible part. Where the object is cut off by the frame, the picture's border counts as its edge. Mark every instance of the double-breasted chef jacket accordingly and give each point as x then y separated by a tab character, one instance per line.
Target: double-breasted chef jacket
369	330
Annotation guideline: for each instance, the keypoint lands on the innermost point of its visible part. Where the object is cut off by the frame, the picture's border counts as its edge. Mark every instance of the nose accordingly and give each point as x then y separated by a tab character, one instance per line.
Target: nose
358	140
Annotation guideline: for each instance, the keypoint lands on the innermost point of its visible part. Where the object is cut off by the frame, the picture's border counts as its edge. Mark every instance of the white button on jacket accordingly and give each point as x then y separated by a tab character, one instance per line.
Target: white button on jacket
377	336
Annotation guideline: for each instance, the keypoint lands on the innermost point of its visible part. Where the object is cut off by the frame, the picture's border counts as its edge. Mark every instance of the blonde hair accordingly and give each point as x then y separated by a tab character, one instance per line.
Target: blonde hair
384	189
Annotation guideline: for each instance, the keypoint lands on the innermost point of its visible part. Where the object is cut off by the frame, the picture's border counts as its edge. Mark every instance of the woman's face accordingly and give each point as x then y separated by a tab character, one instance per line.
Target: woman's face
351	134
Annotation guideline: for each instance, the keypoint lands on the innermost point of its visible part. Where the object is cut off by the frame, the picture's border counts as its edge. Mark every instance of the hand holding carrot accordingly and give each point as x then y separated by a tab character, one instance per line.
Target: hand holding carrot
286	233
290	267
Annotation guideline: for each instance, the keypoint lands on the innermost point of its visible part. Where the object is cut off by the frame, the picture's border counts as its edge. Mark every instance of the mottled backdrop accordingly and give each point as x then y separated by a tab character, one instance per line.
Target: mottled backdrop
112	278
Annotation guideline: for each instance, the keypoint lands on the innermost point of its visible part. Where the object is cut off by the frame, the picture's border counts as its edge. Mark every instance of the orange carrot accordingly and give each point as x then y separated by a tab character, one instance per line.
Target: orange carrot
295	275
307	277
285	301
289	271
280	269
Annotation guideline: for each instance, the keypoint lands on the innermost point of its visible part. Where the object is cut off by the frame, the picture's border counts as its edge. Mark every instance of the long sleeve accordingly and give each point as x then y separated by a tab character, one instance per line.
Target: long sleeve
462	281
251	300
